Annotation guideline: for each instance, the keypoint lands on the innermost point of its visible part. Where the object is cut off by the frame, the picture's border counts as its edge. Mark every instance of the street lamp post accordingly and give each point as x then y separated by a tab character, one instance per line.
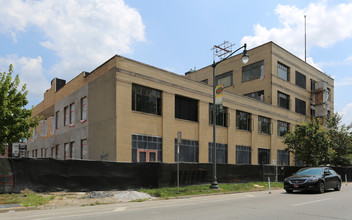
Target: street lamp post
245	59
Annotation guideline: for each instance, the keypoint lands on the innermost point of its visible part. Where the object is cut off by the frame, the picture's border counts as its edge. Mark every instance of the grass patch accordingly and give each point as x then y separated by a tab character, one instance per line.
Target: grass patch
168	192
94	203
139	200
25	198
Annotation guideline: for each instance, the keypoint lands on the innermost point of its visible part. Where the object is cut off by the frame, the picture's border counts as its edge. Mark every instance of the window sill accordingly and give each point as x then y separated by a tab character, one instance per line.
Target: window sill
265	134
239	129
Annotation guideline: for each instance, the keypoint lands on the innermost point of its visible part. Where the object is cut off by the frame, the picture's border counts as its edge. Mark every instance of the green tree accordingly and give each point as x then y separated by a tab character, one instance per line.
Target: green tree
310	143
341	141
15	119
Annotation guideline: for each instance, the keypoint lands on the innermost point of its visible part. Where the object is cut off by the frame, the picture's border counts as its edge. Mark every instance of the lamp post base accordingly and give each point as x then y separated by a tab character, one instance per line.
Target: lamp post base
214	185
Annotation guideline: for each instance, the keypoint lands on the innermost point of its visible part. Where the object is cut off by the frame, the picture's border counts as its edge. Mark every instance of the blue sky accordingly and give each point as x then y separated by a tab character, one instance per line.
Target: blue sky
44	39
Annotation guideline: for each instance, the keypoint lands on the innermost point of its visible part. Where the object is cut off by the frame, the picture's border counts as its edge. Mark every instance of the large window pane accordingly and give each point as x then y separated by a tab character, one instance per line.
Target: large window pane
283	158
263	156
300	106
253	71
259	95
282	128
189	151
221	116
146	99
225	79
221	153
264	125
283	100
243	120
283	71
186	108
300	80
243	154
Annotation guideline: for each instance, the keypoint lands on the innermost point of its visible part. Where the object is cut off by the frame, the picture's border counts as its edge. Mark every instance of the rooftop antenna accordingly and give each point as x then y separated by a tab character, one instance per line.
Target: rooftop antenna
222	50
305	39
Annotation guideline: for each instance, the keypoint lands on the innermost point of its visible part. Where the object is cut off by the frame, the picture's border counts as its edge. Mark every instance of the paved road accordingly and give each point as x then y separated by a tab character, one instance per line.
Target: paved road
252	205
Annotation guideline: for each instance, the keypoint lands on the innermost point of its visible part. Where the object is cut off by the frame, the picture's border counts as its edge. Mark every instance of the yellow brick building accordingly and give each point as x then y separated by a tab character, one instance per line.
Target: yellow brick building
127	111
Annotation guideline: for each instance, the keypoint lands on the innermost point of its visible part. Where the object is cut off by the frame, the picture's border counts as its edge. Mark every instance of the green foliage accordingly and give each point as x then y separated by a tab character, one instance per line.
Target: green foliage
25	198
15	119
168	192
318	142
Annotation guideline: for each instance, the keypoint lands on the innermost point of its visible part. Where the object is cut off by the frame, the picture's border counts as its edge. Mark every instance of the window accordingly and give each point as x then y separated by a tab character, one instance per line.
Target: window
282	128
57	120
186	108
312	84
146	99
264	125
66	116
84	109
52	119
225	79
259	95
69	150
189	151
328	94
84	149
263	156
221	153
283	100
300	80
146	148
54	151
253	71
283	72
221	116
300	106
72	114
243	155
283	158
243	120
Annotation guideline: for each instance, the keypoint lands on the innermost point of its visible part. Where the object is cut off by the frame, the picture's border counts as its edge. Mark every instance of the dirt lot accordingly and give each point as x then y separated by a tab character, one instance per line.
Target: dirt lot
63	199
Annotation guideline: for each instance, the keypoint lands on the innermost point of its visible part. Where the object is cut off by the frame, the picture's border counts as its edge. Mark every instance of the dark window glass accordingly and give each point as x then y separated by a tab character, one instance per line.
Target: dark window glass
205	81
300	80
283	100
221	153
243	154
253	71
259	95
282	128
283	71
146	100
263	156
225	79
142	157
243	120
189	151
300	106
312	84
283	158
151	146
186	108
221	116
264	125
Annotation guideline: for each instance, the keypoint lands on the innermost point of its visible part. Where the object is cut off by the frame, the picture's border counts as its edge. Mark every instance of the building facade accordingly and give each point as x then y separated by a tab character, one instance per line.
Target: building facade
127	111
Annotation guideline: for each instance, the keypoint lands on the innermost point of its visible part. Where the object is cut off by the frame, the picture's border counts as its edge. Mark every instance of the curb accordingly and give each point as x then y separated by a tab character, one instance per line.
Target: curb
17	209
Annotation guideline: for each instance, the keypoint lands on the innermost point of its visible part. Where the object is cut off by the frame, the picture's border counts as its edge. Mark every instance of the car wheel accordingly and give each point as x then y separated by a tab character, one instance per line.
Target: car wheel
338	186
289	190
321	187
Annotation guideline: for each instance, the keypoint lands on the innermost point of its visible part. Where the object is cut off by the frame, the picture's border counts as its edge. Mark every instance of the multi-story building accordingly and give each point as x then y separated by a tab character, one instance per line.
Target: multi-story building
127	111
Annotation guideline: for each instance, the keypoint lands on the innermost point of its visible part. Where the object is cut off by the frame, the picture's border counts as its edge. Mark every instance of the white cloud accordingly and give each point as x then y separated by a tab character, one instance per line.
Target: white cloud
30	73
326	25
83	33
347	114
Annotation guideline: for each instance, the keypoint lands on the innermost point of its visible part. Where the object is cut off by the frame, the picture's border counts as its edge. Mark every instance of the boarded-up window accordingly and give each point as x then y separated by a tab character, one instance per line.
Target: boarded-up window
186	108
84	149
300	106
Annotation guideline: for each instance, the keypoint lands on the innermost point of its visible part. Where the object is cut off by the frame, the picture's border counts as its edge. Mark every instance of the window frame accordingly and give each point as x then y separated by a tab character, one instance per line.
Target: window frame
220	121
240	159
224	76
279	132
248	120
280	103
280	69
250	72
298	103
184	108
266	159
262	121
299	77
146	99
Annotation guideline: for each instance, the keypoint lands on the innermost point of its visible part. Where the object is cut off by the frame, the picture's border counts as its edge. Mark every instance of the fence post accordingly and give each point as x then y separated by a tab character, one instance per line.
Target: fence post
269	185
346	179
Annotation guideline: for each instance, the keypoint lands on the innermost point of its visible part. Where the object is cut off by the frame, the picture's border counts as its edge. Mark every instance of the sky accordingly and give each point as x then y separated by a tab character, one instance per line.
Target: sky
45	39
